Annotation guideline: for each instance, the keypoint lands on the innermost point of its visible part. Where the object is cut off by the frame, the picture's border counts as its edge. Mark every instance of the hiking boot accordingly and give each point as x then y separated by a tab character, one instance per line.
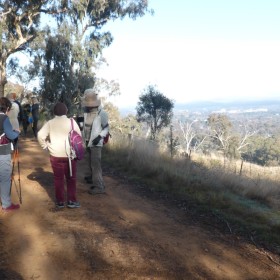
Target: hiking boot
94	190
88	179
11	207
73	204
59	205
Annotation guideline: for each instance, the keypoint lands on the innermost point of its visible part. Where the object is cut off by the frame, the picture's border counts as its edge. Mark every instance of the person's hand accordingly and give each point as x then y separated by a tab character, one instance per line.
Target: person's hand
96	140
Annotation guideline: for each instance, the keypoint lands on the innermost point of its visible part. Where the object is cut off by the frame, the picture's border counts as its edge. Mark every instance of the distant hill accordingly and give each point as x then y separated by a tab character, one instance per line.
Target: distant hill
272	105
208	106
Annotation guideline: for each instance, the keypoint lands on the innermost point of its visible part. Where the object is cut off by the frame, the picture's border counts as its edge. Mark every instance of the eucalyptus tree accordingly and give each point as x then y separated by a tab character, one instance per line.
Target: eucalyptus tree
57	81
155	109
192	136
173	142
220	131
20	24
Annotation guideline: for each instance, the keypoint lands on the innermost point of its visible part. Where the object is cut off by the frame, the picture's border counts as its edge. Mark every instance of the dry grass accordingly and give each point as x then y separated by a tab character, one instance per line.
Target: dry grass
241	193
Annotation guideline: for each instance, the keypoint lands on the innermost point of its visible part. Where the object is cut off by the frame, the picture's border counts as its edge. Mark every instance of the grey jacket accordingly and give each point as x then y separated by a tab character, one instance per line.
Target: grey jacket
100	126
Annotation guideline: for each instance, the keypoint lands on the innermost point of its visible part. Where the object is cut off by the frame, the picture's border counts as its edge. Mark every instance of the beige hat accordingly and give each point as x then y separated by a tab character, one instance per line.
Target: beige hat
90	99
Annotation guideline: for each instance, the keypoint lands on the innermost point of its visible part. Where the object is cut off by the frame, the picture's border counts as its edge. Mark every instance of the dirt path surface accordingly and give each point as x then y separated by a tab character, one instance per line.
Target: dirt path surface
119	235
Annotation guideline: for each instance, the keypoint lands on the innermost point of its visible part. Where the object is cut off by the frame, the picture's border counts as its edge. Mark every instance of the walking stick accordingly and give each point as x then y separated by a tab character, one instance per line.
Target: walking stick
17	187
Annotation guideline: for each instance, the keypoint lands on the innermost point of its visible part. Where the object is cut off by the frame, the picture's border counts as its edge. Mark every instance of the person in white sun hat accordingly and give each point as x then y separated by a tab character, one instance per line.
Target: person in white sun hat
95	128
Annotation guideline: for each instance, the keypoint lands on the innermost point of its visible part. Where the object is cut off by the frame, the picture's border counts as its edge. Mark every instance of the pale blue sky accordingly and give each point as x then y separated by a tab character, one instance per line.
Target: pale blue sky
198	50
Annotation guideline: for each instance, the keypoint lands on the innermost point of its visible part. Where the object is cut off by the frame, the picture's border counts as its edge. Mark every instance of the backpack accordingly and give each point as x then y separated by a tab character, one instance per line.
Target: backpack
108	135
4	140
106	138
77	150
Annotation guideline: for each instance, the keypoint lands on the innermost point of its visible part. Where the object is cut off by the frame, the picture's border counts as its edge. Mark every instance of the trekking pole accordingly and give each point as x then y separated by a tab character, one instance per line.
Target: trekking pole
17	187
19	184
12	174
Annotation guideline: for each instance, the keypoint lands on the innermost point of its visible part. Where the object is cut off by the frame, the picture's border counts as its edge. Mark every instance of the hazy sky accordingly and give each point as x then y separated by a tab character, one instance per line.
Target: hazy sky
198	50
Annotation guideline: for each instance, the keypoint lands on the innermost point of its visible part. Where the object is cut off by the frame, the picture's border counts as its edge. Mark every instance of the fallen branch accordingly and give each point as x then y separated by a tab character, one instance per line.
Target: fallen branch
261	250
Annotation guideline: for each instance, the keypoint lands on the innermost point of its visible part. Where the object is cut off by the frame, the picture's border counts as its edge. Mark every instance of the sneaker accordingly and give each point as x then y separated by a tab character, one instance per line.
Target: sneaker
94	190
59	205
73	204
11	207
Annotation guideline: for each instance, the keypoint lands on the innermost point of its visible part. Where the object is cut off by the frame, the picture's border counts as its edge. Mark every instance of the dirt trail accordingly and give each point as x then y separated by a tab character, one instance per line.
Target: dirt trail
119	235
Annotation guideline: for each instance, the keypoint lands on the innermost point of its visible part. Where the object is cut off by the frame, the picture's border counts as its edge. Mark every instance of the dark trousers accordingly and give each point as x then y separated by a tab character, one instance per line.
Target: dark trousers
35	128
60	166
25	125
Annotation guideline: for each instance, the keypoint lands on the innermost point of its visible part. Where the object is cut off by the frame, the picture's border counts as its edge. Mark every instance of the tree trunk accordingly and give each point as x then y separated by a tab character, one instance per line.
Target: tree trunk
2	90
2	87
3	78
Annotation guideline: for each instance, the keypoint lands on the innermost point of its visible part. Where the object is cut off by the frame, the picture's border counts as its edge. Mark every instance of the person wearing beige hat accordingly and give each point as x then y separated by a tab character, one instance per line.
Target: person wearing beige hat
95	128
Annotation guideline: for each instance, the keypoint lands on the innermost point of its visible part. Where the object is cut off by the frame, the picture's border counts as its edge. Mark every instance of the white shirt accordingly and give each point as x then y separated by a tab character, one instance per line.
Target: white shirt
13	115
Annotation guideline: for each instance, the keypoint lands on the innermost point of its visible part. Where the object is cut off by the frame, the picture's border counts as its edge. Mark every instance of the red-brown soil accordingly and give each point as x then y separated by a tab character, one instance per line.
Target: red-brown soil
123	234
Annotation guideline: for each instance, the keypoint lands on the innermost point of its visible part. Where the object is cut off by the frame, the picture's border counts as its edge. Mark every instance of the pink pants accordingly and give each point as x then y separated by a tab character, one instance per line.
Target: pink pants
60	166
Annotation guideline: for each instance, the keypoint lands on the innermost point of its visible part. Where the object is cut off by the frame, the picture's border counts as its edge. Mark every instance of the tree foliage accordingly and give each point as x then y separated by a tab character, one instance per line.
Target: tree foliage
263	150
20	25
220	126
154	109
173	142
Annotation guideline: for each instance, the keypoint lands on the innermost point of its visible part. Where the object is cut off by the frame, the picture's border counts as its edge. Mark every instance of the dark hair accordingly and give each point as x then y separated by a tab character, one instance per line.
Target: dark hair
60	109
5	104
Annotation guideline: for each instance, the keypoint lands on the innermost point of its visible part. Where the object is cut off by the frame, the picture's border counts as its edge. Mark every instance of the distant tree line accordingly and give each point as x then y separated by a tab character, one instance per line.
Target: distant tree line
218	135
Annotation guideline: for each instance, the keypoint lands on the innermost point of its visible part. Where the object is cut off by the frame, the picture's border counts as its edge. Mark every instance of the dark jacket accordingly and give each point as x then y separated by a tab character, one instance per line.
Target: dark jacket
26	109
35	111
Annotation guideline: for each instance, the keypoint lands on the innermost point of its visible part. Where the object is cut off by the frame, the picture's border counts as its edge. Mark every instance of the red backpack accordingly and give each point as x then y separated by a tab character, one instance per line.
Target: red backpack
106	138
108	135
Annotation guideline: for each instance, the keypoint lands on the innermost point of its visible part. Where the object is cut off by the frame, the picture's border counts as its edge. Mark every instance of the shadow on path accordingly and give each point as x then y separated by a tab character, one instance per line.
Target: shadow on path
7	274
44	178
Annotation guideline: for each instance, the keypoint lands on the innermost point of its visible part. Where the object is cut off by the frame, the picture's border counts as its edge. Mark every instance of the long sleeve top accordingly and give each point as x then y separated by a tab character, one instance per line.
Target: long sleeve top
6	127
54	135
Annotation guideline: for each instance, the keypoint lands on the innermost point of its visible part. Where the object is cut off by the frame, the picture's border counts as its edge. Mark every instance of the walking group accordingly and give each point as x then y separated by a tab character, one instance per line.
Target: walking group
93	127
